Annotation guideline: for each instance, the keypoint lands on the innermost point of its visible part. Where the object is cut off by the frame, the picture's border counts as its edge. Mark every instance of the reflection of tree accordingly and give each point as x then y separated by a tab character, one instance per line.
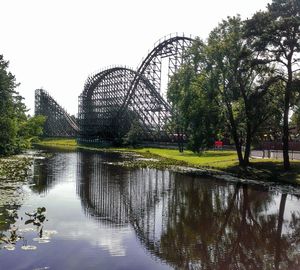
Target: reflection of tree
11	199
192	223
212	226
9	205
40	177
8	217
52	170
278	248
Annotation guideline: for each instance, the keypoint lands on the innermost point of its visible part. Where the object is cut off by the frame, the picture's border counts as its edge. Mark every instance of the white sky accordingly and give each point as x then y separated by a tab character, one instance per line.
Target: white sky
56	44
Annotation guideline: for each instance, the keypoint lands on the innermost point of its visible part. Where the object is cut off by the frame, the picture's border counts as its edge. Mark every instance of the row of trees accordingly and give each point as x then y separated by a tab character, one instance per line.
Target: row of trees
243	79
17	129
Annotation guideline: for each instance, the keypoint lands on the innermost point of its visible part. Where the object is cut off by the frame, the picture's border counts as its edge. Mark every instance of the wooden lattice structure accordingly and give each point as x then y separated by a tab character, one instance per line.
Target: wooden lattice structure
117	98
58	122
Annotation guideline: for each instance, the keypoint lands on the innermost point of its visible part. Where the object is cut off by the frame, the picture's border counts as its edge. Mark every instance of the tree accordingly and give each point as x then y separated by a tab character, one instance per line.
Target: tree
8	123
30	129
275	35
16	128
272	128
195	112
134	135
242	86
295	119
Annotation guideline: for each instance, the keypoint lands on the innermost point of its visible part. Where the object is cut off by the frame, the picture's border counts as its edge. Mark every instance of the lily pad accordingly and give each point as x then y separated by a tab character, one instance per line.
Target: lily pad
43	241
28	247
24	230
49	232
9	247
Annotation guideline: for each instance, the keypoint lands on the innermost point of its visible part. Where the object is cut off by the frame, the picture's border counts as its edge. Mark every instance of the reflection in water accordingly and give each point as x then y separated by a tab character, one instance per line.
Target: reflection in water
55	169
99	188
193	223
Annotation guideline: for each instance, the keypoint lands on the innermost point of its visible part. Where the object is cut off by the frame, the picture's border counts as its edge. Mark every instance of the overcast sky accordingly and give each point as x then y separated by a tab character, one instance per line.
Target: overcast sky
56	44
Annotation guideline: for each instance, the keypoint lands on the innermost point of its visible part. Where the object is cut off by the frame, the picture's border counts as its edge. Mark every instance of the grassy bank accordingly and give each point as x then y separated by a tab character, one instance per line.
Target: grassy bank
263	169
212	159
59	143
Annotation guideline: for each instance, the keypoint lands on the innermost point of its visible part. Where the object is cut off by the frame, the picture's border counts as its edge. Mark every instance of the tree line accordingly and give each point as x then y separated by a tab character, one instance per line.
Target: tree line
17	128
242	81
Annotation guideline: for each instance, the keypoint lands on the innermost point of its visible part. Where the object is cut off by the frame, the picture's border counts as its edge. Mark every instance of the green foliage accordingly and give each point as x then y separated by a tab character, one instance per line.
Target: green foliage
134	135
16	128
275	36
195	111
8	114
30	129
220	91
36	218
8	131
243	87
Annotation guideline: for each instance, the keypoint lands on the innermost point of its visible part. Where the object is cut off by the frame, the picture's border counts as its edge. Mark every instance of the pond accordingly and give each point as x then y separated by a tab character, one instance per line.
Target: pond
100	215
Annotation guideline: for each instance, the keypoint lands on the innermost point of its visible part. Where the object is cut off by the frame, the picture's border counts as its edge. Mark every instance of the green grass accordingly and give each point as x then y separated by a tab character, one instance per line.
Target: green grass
68	144
212	159
266	169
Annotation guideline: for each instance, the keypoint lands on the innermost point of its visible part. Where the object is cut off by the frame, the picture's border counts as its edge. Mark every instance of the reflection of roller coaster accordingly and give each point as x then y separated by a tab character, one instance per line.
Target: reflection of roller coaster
191	223
116	98
116	196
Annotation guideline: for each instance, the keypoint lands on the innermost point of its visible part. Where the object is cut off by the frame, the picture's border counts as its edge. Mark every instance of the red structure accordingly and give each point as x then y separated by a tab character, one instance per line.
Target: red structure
218	144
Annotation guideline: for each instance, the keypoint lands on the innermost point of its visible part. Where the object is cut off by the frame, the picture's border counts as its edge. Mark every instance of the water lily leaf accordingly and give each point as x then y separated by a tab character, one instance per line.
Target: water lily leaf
4	239
29	221
37	223
30	214
9	247
24	230
49	232
29	247
44	241
40	210
41	218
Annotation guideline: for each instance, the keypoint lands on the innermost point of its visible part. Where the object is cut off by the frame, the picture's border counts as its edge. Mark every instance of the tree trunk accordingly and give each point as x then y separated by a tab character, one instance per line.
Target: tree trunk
285	137
234	134
180	140
238	149
248	145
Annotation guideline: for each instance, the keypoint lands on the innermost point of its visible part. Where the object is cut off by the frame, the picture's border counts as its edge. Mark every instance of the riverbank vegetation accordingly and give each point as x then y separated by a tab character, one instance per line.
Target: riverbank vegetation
14	167
221	161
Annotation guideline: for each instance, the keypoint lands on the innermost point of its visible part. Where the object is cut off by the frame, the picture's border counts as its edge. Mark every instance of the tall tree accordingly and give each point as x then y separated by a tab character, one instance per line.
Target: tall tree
195	111
8	124
242	86
16	128
275	34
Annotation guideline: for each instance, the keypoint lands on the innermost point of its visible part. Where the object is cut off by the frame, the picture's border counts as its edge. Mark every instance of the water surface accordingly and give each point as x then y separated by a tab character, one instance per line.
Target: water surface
108	217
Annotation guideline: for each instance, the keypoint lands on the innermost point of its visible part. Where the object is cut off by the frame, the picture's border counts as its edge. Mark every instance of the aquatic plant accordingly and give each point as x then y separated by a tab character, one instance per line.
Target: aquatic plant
36	218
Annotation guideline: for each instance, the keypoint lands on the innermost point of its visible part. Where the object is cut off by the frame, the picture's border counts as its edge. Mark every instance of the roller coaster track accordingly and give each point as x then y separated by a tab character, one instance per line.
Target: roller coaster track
58	122
117	98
